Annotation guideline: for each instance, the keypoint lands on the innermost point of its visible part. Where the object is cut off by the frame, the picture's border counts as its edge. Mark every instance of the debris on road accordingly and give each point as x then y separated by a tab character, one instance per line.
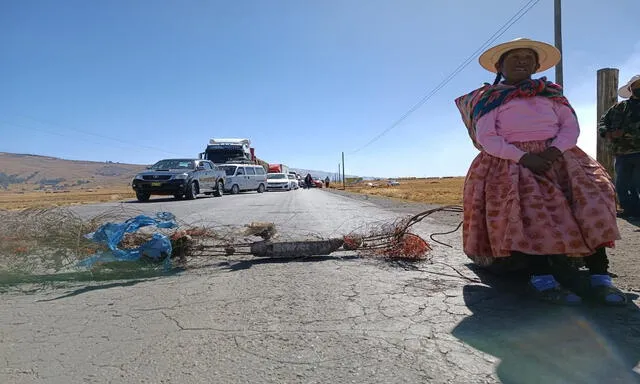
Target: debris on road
291	249
111	235
55	240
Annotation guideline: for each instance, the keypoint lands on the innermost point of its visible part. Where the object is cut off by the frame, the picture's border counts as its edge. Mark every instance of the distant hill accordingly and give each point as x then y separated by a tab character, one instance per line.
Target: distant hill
316	174
23	172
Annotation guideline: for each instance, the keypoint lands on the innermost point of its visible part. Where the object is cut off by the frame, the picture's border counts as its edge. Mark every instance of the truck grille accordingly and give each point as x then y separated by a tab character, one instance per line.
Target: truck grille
156	177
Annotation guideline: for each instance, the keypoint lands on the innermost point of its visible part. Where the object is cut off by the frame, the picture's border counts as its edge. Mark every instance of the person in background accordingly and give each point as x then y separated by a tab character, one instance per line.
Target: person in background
620	127
326	181
308	180
531	192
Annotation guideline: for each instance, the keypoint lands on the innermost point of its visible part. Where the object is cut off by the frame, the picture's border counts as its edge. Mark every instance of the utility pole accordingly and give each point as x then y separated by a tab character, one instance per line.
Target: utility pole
343	185
338	178
558	39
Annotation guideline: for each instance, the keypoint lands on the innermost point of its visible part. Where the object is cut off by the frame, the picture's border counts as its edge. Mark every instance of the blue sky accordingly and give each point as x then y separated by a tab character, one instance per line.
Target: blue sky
136	81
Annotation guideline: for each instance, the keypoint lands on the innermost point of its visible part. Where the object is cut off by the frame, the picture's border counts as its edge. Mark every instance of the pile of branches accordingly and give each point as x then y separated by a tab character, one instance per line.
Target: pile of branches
395	241
50	240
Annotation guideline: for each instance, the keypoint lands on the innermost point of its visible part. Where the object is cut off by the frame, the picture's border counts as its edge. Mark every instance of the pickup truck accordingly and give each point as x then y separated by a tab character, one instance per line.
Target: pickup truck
180	178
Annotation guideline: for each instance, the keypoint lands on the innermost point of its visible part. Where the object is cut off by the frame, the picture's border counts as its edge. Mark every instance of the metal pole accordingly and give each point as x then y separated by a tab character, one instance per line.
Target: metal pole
343	185
338	177
558	39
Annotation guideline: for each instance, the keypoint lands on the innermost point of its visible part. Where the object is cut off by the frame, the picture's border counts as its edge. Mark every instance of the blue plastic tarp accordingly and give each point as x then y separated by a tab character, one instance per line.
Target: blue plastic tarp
111	234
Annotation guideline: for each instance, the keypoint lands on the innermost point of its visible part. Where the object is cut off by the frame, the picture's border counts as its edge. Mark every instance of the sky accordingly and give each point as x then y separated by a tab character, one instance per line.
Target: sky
135	81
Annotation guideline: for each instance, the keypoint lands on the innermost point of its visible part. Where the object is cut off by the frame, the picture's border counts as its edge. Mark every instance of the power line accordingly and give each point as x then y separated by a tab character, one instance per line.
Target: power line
517	16
131	144
83	139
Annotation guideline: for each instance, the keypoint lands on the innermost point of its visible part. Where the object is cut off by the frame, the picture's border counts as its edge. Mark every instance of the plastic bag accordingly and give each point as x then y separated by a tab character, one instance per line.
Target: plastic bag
111	234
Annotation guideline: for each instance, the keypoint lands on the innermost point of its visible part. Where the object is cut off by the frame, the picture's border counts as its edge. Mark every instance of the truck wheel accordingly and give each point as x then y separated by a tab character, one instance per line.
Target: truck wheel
143	196
219	189
192	191
235	189
261	188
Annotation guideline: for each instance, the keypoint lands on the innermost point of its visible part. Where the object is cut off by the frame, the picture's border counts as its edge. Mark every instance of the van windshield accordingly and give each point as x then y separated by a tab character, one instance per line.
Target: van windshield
229	170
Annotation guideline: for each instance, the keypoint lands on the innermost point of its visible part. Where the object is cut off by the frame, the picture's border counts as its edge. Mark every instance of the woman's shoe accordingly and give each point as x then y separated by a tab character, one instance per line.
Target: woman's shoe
546	288
603	290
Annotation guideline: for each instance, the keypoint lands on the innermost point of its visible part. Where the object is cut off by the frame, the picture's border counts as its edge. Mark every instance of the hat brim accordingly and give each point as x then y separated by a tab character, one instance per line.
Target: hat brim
548	55
625	91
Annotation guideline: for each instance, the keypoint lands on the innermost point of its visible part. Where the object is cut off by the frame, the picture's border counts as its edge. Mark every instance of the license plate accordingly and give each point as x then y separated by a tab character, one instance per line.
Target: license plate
156	184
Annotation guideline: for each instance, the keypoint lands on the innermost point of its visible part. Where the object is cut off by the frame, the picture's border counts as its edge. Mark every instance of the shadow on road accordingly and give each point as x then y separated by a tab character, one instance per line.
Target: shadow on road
246	264
96	288
542	343
134	275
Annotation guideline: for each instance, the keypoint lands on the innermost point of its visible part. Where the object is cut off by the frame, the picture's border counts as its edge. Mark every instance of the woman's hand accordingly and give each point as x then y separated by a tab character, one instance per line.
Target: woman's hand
551	154
536	163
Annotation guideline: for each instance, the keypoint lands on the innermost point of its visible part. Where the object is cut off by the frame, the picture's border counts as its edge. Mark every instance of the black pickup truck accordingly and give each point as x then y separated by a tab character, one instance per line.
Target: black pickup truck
180	178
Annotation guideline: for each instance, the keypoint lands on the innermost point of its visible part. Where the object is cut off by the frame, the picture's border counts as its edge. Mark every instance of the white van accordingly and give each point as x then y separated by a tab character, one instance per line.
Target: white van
244	177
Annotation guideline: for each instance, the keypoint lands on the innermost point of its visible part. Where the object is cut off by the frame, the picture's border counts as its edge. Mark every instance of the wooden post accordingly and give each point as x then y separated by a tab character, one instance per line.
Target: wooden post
607	97
343	182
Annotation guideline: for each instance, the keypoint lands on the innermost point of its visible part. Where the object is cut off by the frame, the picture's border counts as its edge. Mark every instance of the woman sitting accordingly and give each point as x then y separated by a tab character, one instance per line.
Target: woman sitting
531	191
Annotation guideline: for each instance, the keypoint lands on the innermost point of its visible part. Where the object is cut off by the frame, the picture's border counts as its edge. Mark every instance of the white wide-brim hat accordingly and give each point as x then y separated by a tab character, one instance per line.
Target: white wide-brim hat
625	90
548	55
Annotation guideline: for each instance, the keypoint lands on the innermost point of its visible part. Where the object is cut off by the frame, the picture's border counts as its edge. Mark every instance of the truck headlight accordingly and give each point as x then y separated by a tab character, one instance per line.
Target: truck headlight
180	176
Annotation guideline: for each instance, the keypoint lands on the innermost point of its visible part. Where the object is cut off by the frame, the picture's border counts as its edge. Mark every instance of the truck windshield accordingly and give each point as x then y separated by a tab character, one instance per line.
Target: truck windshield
220	155
174	164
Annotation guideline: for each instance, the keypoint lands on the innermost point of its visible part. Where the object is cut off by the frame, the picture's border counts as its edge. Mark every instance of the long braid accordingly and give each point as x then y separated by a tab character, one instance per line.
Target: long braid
498	78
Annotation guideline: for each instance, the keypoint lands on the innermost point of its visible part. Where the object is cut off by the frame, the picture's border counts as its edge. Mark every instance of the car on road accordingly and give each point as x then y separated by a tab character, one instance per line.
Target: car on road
278	182
244	177
293	181
181	178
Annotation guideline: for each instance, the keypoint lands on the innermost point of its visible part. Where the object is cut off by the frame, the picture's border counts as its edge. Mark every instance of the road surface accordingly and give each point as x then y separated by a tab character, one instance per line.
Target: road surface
316	320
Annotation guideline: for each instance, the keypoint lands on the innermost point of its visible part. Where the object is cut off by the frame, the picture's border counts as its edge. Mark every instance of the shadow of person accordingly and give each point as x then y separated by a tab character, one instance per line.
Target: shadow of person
543	343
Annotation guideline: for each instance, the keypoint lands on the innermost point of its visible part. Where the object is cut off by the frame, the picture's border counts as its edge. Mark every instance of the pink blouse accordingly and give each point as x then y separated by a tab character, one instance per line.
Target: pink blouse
526	119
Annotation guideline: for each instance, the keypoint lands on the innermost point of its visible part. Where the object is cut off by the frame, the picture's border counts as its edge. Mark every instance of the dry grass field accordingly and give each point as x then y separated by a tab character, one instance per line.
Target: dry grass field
443	191
32	181
23	200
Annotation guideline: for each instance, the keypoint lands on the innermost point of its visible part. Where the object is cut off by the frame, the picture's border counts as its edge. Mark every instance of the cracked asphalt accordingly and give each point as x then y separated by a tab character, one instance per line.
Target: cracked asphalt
329	319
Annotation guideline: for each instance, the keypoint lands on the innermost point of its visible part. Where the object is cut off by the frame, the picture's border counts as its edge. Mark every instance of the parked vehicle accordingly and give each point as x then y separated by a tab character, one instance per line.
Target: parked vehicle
293	181
244	177
278	182
278	168
180	178
231	151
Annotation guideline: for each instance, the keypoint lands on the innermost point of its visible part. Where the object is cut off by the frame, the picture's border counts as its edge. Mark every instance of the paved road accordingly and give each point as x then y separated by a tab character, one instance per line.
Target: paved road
318	320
